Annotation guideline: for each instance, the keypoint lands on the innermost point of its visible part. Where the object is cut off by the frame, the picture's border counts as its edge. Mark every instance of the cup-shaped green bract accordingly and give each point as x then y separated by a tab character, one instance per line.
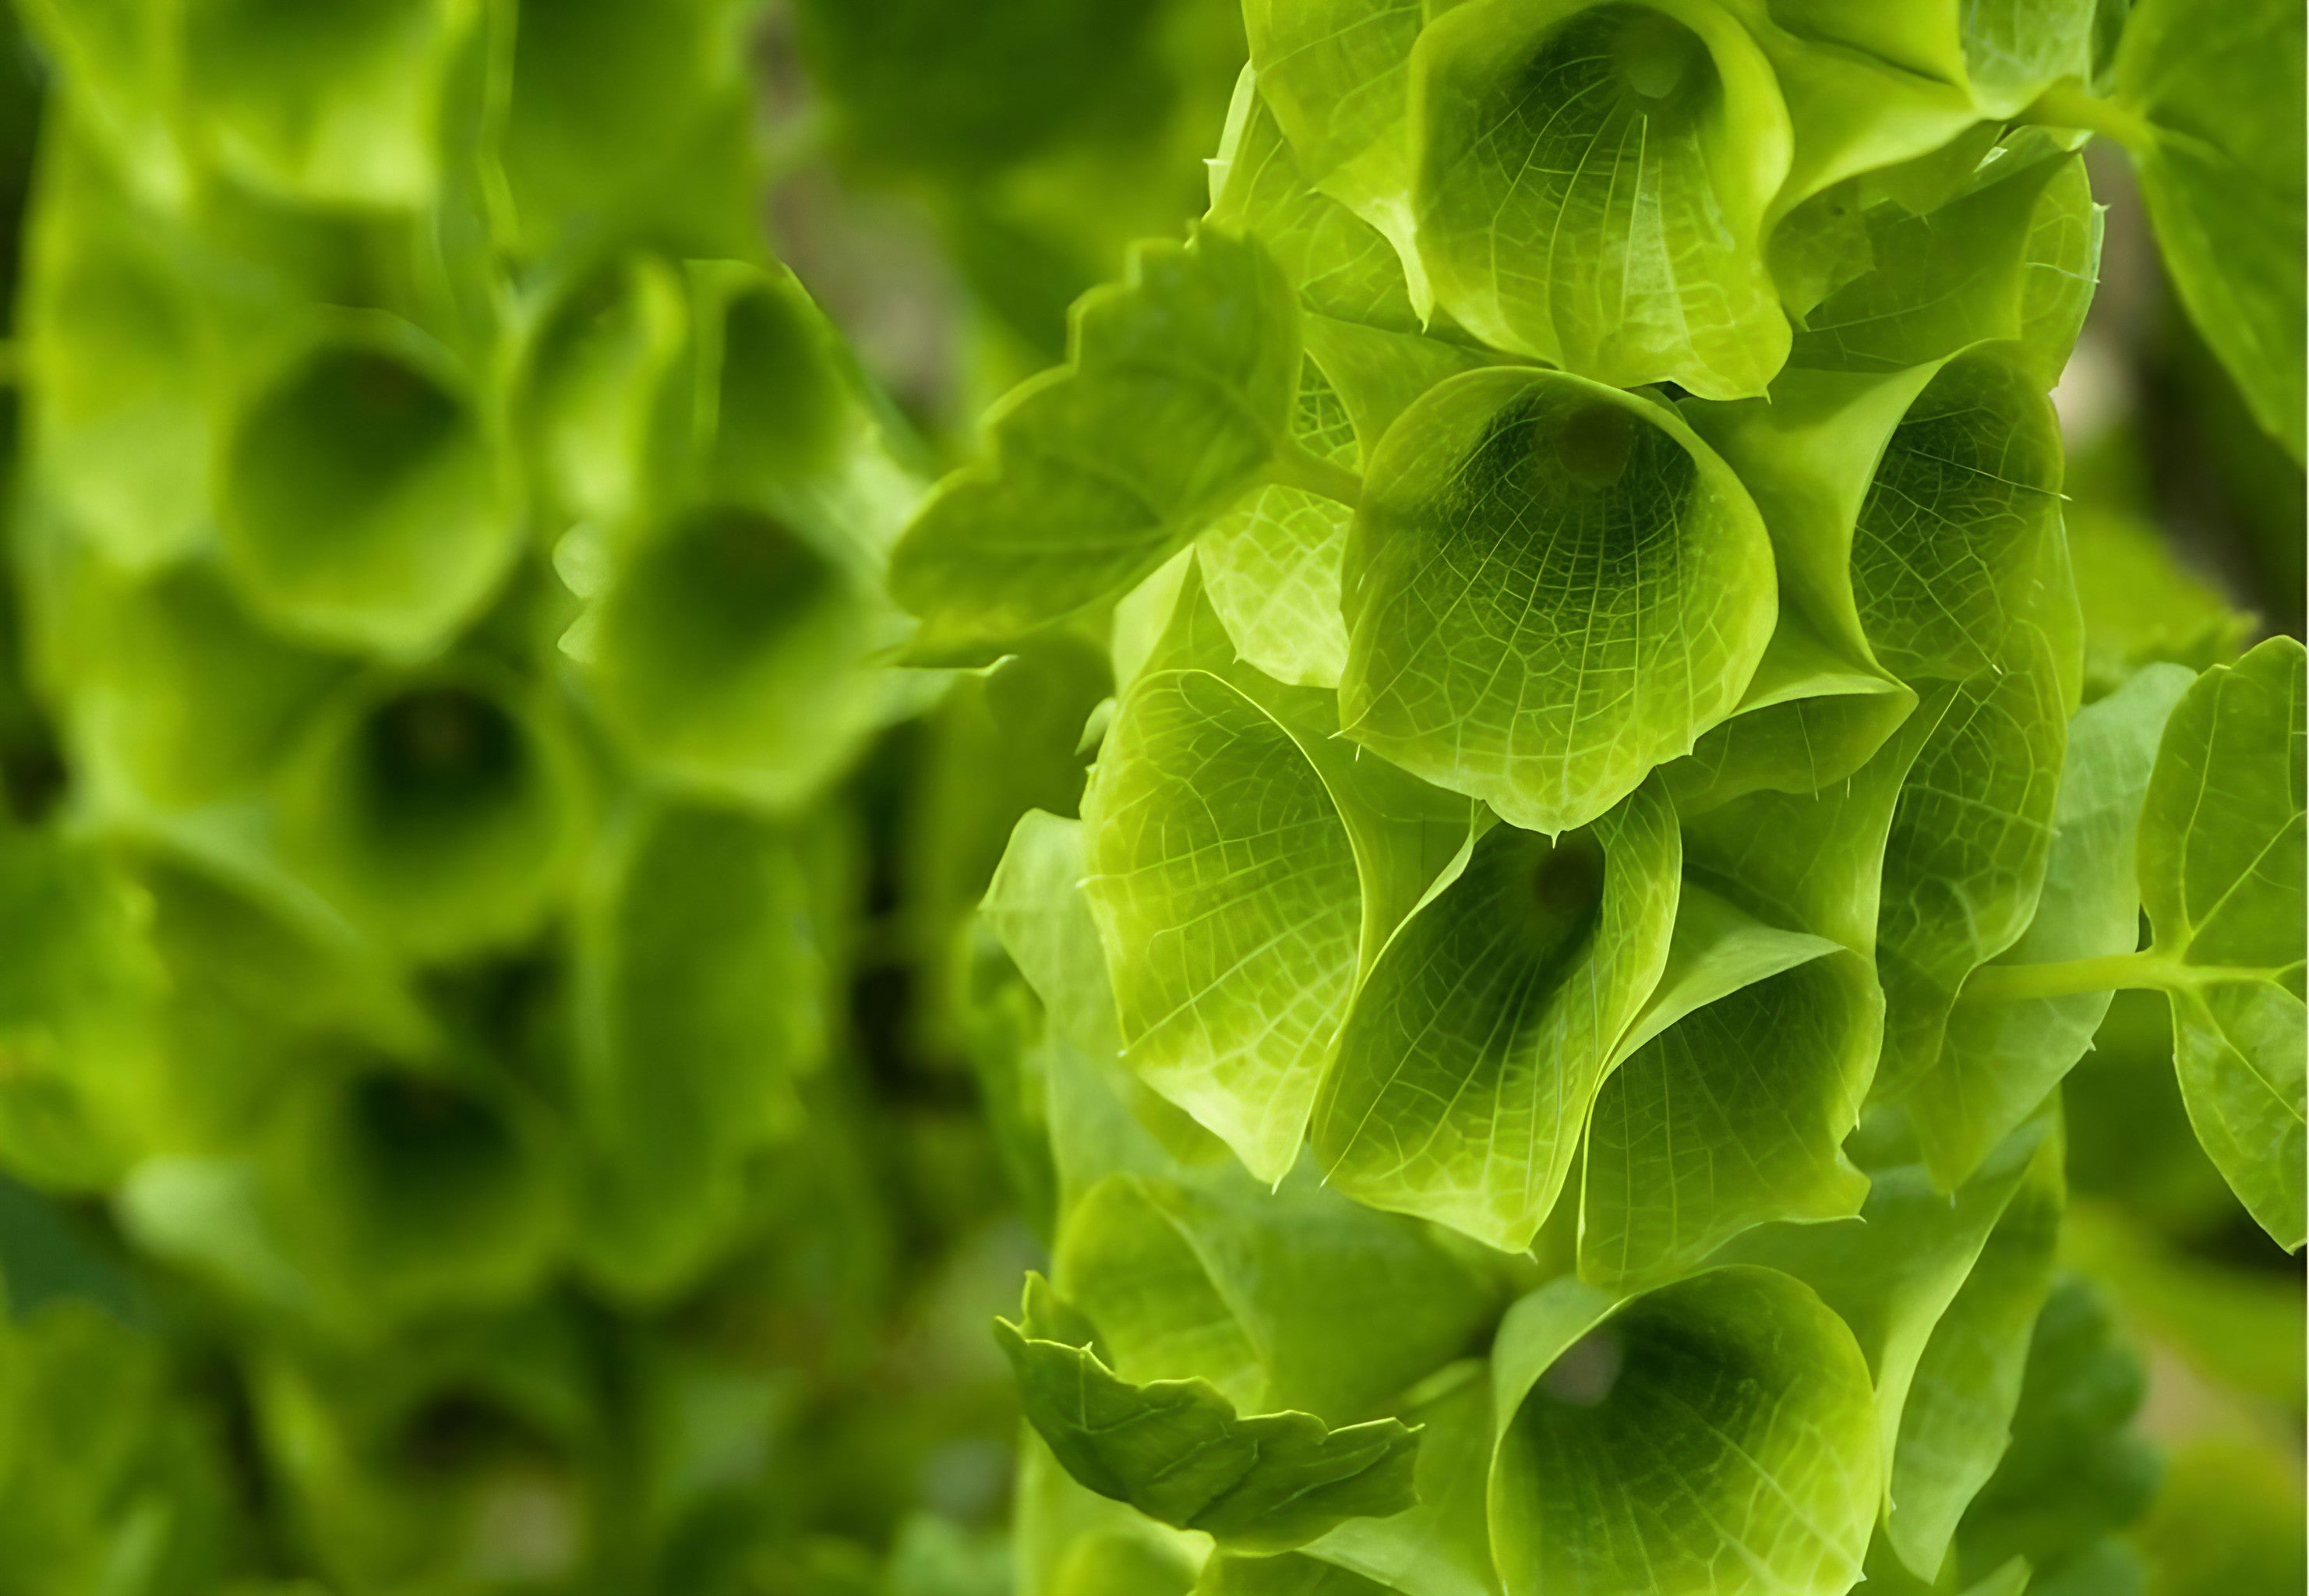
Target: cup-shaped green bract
1736	1092
1287	1298
777	373
702	985
1334	72
414	1192
1224	878
2002	53
178	696
116	367
2014	256
2000	1058
1466	1069
1970	839
363	499
599	392
1551	587
1591	185
1949	550
440	811
728	652
1939	1289
1230	977
1271	563
624	125
395	1466
1715	1435
331	105
255	972
1313	218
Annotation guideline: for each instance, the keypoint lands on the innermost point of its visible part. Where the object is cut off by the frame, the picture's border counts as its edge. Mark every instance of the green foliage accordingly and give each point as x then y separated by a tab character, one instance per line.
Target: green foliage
1618	779
1490	834
2203	102
450	553
2219	836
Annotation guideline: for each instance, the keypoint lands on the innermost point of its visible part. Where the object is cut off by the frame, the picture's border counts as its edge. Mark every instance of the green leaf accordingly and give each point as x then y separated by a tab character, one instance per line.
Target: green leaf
1245	865
1713	1437
1551	587
1941	1293
1739	1086
1293	1298
2013	256
1068	1540
2000	1060
1381	372
2209	99
1477	1041
1334	71
1271	563
1232	927
2221	870
1177	398
362	500
1180	1453
1341	265
1856	120
1968	847
1591	188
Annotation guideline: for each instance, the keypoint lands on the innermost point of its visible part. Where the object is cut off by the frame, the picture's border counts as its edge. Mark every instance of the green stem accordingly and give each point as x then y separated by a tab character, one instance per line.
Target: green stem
1294	467
2014	983
2064	105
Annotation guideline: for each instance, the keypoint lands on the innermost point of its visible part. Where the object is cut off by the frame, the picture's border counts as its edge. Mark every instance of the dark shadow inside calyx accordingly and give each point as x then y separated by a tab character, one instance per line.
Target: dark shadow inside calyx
1593	444
1657	58
437	752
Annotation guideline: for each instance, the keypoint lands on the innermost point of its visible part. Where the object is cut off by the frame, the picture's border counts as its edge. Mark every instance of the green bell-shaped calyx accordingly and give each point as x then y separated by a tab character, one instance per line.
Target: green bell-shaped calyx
1591	183
1551	587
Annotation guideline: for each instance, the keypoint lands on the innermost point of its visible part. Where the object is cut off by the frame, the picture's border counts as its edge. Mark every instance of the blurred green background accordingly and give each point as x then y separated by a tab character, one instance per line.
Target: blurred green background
495	1066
